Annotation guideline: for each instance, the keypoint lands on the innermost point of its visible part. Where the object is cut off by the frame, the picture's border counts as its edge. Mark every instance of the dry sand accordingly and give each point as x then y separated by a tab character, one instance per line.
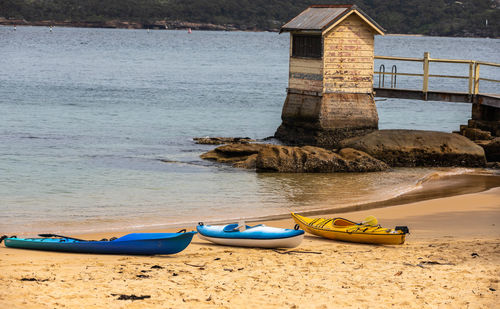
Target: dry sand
451	260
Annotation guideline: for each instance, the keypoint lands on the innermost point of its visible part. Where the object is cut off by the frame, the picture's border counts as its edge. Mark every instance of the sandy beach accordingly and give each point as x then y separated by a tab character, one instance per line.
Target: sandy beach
451	259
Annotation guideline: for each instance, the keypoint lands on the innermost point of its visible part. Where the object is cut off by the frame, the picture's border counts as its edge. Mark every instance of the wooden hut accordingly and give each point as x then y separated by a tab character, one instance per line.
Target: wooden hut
330	88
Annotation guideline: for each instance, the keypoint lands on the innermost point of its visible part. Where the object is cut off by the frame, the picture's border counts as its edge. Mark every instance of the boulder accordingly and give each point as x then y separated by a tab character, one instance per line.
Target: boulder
492	149
248	163
309	159
222	140
475	134
409	148
233	153
286	159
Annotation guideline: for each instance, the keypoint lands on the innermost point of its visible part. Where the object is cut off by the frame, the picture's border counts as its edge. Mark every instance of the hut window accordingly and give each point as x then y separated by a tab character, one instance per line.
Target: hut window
306	46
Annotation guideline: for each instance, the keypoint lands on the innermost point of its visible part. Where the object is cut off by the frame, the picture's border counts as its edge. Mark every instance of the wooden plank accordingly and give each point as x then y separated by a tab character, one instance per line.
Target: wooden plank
366	59
308	70
342	72
349	54
349	28
313	63
348	48
349	41
306	66
350	90
349	65
351	35
302	84
349	78
335	45
420	95
491	100
330	85
476	78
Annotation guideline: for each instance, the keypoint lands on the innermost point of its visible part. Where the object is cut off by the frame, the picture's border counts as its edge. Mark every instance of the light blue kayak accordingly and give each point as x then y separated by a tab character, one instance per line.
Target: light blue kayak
134	244
250	236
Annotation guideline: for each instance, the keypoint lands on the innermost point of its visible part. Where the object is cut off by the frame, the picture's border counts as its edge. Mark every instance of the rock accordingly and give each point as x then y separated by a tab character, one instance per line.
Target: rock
309	159
361	161
493	165
411	148
222	140
240	149
233	153
475	134
248	163
492	150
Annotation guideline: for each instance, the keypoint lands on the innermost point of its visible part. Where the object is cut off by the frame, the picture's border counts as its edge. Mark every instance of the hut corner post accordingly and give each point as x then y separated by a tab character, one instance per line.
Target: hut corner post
331	98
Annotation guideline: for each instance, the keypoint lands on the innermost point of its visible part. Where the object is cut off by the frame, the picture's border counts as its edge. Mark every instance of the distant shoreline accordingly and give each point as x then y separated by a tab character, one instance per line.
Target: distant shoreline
173	25
120	24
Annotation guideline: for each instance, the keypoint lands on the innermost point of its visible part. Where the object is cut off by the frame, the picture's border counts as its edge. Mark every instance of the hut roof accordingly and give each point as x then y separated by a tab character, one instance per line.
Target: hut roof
321	18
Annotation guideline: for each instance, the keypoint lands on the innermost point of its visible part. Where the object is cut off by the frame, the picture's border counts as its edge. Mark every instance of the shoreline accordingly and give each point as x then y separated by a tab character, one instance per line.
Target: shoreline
444	186
427	219
183	26
438	184
450	260
432	187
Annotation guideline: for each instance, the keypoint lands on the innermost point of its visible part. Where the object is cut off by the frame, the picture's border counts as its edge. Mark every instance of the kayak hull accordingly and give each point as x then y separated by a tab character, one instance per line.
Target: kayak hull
256	237
350	233
290	242
131	244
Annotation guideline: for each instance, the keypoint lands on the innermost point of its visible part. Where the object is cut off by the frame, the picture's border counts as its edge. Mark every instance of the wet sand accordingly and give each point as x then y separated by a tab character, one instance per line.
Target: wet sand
451	259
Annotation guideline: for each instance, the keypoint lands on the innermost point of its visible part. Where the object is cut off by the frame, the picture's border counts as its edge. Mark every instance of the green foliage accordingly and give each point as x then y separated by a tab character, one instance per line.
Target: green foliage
430	17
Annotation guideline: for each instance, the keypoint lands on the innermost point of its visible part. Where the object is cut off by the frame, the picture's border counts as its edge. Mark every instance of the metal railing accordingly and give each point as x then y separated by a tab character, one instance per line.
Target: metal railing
473	78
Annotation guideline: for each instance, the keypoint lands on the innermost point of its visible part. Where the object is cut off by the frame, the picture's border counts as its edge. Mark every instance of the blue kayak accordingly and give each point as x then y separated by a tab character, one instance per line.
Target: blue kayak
242	235
134	244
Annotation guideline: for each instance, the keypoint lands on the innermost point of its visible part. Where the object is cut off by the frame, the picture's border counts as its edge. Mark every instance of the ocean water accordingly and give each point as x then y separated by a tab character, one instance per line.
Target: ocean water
88	117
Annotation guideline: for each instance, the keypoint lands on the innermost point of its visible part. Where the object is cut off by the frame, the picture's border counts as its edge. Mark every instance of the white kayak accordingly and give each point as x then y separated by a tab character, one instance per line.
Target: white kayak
241	235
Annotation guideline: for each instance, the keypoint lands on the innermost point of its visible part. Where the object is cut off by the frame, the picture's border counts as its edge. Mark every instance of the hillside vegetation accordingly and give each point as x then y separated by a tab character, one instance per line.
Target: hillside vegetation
429	17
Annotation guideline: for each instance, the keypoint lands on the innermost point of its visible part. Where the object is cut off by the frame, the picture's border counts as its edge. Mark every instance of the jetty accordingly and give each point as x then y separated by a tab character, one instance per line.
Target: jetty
333	80
485	105
469	95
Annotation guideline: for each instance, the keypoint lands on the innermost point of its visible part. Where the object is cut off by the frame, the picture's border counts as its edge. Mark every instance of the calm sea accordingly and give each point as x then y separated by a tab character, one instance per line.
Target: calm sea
86	115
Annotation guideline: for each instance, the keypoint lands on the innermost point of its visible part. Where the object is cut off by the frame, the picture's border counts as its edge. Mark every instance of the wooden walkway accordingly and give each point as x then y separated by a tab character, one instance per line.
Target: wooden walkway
471	95
492	100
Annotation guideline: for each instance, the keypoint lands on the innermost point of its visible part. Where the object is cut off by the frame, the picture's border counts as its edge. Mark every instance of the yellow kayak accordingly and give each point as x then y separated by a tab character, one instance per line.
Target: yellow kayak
345	230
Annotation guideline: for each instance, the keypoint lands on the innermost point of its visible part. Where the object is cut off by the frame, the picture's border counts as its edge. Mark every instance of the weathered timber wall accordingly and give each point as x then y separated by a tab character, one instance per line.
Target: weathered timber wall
348	57
306	74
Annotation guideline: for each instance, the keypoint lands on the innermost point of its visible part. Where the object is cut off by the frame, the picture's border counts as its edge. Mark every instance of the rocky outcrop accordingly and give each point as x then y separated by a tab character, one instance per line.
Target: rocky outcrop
232	153
309	159
286	159
491	149
222	140
409	148
475	134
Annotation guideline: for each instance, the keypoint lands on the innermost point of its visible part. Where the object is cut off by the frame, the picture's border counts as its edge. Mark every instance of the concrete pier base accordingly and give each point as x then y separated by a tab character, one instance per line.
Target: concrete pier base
324	120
